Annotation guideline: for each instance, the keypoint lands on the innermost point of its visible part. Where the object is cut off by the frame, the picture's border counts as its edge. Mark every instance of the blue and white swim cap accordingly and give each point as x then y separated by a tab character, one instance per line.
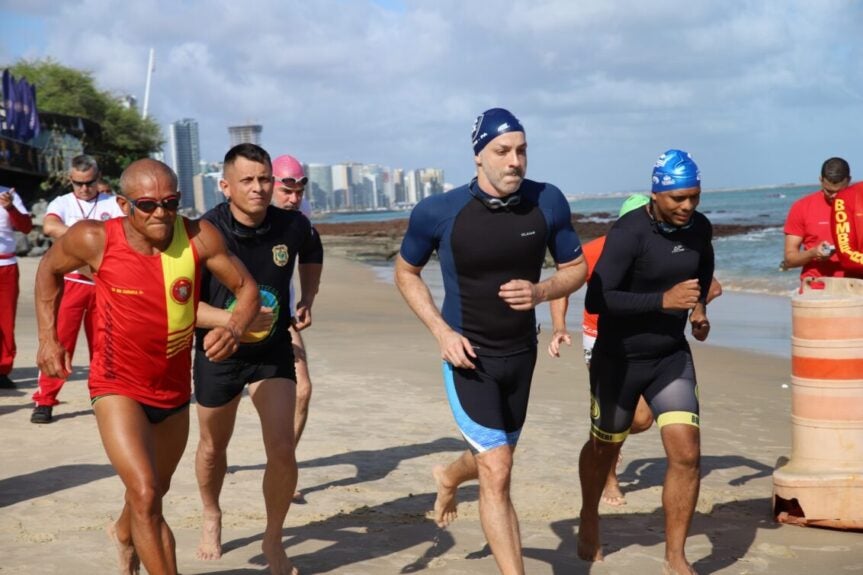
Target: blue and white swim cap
491	124
675	170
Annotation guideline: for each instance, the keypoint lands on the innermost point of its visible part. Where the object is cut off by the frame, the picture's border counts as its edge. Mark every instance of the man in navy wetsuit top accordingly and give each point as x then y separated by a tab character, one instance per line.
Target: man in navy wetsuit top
655	269
491	237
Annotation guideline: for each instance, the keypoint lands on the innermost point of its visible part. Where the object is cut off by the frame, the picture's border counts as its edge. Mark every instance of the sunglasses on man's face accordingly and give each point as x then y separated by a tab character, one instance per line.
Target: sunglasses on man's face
88	183
291	182
148	205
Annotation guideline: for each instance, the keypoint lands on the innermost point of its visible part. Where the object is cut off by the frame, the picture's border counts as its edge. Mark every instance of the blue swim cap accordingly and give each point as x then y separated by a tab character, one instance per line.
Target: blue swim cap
491	124
675	170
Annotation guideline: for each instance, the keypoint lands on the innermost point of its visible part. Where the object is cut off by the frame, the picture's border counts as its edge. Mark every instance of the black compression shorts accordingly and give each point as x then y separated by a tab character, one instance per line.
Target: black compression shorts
217	383
490	402
668	385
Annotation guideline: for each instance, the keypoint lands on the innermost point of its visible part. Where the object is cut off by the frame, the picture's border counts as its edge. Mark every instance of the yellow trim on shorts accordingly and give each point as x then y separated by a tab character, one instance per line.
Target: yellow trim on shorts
608	437
684	417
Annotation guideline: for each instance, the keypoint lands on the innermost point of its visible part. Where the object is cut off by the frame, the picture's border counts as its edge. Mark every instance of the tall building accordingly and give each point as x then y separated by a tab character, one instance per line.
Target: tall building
341	185
207	192
250	134
185	157
321	186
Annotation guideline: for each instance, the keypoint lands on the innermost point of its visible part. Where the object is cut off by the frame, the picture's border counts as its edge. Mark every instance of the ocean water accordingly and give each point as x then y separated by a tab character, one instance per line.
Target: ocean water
754	312
744	263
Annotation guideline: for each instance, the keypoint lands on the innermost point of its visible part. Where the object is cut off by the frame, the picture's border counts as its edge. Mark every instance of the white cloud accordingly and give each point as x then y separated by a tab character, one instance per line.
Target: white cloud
610	84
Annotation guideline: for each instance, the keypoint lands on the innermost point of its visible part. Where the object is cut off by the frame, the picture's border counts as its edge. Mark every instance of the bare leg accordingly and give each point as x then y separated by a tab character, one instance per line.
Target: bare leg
304	390
145	456
596	459
680	492
127	559
612	494
448	478
211	462
275	400
496	512
304	384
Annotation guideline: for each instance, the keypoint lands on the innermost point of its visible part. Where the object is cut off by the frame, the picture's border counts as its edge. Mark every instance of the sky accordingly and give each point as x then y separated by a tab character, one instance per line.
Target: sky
760	92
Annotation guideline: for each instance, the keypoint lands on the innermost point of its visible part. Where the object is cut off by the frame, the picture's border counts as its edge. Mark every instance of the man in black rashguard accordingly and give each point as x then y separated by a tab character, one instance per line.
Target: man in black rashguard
270	242
656	266
491	237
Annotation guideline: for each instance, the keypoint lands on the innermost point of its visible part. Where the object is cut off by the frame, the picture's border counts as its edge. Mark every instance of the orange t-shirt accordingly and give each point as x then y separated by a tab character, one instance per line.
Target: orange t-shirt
591	250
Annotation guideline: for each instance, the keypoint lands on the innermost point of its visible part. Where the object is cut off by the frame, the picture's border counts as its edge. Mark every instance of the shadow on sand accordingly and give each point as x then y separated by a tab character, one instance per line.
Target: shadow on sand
371	465
47	481
730	527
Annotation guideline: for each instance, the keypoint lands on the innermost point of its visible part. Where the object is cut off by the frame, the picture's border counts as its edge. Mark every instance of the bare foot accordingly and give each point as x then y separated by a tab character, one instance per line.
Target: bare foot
612	495
678	567
277	559
210	547
298	497
445	505
589	547
127	558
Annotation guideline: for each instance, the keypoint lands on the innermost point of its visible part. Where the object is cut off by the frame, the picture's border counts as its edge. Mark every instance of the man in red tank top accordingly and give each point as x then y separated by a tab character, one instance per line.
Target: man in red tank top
146	268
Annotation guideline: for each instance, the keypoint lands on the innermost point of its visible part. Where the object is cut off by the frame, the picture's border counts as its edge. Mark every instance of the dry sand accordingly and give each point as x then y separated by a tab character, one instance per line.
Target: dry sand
379	422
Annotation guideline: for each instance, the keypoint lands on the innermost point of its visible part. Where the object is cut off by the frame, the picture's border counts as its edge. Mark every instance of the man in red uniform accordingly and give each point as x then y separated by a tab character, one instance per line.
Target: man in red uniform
808	240
13	218
147	270
84	202
847	228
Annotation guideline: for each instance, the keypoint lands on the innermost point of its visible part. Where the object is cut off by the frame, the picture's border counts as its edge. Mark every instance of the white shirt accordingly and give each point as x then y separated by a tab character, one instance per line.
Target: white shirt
7	234
70	209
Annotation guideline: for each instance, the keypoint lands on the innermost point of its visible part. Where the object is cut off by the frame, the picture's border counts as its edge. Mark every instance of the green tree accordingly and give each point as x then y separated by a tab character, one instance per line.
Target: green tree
126	136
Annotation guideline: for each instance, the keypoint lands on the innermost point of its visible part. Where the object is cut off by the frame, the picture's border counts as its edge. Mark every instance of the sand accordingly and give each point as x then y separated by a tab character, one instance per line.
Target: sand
379	422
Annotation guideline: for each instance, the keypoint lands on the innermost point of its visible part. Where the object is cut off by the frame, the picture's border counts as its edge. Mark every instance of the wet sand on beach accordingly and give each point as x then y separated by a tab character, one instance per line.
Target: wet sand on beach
379	422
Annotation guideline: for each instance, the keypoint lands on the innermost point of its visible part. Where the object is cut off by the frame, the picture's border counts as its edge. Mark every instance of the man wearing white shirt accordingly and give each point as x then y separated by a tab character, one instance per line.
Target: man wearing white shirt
14	217
84	202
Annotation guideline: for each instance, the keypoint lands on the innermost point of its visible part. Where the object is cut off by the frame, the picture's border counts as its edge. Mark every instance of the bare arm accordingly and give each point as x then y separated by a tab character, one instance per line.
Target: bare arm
83	245
310	281
715	290
795	257
223	339
53	227
524	295
455	348
559	334
210	316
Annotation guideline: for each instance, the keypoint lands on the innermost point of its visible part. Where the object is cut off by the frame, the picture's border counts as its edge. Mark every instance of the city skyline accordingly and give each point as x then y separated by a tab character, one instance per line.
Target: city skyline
759	92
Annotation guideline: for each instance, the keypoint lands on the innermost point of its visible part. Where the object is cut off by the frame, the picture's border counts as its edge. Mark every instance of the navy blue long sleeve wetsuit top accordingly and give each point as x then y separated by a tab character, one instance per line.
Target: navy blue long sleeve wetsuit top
270	253
638	264
481	248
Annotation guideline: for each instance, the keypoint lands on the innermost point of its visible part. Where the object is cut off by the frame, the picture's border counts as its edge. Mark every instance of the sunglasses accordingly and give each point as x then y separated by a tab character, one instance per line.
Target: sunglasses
148	206
84	184
291	182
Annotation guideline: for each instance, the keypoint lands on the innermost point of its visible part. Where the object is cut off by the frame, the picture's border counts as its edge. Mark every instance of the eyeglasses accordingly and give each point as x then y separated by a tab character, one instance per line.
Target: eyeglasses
148	206
291	182
84	184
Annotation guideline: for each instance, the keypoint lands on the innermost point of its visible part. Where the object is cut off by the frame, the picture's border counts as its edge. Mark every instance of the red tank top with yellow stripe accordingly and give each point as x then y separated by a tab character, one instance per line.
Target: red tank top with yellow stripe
145	319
